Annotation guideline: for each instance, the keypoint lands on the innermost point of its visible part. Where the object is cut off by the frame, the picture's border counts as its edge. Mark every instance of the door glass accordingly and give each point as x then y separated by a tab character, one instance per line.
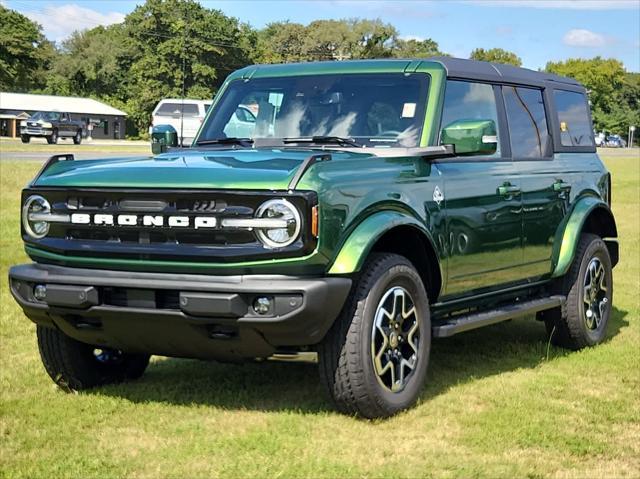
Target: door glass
470	101
573	117
527	122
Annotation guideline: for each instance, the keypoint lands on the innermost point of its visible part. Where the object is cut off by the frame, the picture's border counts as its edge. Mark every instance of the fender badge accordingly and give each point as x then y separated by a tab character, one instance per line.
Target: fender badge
437	195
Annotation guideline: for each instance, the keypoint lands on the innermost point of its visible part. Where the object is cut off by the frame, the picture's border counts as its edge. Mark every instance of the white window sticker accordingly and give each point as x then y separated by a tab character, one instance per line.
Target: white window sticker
409	110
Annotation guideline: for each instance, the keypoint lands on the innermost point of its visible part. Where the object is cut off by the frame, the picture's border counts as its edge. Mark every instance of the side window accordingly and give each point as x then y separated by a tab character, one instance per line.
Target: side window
573	118
464	101
527	122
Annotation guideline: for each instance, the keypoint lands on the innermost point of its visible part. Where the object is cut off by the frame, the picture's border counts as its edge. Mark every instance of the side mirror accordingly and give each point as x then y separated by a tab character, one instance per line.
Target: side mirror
471	137
162	137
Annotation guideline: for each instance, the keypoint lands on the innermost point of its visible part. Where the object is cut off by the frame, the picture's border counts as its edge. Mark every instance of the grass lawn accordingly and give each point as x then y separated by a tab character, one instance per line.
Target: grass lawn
39	145
498	403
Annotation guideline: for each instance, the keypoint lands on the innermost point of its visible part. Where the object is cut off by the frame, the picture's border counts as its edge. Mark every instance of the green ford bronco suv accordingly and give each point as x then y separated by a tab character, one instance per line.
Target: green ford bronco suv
344	212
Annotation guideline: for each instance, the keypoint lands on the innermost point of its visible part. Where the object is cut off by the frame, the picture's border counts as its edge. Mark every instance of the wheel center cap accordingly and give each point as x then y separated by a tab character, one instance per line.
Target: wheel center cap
393	340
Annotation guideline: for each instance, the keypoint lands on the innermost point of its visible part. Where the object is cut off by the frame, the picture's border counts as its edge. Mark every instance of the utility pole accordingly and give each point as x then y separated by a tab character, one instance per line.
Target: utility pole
184	69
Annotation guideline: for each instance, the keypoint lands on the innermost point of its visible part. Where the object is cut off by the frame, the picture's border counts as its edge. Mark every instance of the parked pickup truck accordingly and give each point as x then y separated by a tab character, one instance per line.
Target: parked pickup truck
51	125
374	205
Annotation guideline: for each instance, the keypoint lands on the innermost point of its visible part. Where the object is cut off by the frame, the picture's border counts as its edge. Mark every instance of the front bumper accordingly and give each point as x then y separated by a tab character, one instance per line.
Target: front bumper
35	131
180	315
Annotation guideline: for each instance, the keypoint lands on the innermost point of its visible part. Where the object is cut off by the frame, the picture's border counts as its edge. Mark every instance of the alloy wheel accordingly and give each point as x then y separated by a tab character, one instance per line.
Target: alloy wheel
595	291
395	339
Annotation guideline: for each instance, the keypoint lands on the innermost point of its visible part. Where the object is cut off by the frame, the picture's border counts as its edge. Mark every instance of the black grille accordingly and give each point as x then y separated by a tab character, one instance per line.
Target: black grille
163	242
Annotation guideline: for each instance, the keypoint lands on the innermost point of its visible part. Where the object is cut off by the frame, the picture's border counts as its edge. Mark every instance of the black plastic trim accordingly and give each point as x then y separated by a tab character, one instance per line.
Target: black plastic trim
318	301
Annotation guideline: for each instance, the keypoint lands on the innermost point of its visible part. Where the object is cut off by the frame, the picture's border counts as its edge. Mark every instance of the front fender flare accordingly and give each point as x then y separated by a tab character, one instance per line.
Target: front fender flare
356	248
568	234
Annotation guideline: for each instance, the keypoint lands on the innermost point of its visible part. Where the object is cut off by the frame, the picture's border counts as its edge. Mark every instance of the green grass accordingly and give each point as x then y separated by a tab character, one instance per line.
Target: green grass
496	405
39	145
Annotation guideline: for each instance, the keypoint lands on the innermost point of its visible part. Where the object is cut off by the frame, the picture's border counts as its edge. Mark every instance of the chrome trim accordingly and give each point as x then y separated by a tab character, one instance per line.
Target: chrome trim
49	218
248	223
262	223
46	207
268	242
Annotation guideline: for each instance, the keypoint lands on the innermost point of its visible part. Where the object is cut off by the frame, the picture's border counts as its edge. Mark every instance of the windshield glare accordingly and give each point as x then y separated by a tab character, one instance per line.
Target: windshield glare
46	116
373	109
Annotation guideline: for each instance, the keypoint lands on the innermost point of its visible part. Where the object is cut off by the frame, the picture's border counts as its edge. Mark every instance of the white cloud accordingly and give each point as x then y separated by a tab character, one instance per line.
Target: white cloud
563	4
579	37
59	21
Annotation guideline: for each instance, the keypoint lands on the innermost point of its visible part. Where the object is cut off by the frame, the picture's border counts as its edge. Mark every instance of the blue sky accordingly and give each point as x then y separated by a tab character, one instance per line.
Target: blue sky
536	30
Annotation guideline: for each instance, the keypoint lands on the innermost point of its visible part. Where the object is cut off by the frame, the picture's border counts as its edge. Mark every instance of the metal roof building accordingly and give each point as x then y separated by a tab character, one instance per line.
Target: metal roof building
100	119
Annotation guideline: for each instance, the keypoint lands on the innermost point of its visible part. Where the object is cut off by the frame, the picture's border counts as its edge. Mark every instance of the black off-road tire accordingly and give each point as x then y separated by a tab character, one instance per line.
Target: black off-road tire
77	139
52	139
73	365
345	355
568	326
25	138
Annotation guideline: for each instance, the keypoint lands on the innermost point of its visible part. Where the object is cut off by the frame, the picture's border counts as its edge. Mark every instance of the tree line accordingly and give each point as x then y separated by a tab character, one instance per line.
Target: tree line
167	48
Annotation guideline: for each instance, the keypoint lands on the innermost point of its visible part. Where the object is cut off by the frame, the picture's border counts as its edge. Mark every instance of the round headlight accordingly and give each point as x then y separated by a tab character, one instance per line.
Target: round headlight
35	204
274	237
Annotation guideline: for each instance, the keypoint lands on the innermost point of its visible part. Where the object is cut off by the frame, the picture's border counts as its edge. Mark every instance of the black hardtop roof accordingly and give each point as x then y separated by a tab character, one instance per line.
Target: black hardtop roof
455	67
461	68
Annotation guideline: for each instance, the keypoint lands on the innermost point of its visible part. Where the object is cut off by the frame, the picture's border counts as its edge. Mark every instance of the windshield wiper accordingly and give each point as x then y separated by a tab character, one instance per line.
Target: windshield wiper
327	140
226	141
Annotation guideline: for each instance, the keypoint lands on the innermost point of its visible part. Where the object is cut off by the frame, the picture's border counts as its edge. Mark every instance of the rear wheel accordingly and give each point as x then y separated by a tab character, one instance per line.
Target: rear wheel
75	366
588	286
373	361
77	139
25	138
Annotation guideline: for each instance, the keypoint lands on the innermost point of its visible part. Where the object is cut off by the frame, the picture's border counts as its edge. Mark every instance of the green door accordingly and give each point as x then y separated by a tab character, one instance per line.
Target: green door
545	187
482	198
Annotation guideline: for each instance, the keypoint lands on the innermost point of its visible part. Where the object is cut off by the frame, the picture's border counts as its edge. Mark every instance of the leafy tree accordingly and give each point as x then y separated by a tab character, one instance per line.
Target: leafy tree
496	55
176	44
329	40
24	52
372	38
416	48
91	62
282	42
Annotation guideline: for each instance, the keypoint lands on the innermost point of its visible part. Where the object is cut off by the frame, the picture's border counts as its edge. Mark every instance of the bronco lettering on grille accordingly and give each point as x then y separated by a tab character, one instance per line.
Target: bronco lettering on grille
144	220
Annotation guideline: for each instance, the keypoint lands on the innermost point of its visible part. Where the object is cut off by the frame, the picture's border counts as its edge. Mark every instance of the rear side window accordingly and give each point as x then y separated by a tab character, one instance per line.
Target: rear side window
527	122
573	118
469	101
174	110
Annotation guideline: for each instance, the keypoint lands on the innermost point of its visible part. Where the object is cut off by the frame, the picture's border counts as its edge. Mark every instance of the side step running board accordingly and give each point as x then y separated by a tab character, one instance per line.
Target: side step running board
485	318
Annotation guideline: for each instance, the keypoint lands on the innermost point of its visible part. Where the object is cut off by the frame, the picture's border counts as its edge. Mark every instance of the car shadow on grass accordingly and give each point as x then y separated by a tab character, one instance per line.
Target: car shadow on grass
273	386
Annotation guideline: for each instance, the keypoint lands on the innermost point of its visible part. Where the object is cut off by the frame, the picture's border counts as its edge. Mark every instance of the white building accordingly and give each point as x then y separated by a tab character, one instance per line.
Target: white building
103	120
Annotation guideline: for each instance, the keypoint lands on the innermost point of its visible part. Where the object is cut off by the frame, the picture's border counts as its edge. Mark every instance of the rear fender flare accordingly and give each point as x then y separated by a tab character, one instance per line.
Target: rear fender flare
568	233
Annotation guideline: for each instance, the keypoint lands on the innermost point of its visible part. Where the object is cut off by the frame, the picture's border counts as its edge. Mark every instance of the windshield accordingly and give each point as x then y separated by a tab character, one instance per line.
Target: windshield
373	109
46	116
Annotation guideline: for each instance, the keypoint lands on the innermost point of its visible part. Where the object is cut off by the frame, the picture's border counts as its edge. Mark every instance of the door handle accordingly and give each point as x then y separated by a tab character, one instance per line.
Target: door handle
508	190
560	185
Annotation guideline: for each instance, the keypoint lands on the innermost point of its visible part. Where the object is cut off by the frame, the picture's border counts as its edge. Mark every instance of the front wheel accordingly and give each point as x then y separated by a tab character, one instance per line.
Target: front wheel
373	361
53	138
77	139
75	366
25	138
588	286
